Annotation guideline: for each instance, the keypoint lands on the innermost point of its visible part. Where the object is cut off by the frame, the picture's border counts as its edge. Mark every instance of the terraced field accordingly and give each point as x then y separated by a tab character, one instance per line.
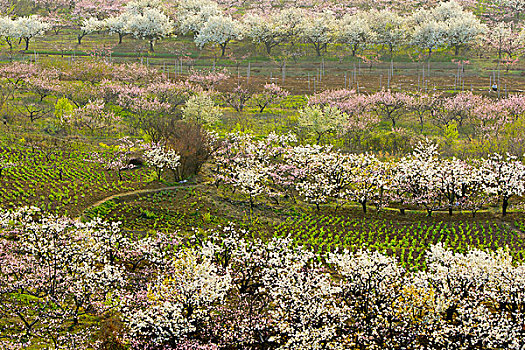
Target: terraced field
408	237
62	181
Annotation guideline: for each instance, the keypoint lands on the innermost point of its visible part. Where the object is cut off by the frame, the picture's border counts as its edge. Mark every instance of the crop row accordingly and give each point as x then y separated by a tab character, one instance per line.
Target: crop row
65	183
408	241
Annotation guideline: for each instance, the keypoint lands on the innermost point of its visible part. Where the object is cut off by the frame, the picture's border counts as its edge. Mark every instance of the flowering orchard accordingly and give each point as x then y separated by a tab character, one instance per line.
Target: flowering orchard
227	291
277	169
99	99
449	25
217	211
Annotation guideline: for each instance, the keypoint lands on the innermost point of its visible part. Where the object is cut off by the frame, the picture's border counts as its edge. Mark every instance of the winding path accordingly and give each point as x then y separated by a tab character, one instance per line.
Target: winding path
131	193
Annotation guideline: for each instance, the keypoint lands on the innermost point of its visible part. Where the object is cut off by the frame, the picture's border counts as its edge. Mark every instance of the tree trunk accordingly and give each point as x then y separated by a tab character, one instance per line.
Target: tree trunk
176	174
393	119
505	205
318	49
319	135
120	36
450	313
402	211
223	49
268	48
363	205
456	50
450	210
27	43
151	45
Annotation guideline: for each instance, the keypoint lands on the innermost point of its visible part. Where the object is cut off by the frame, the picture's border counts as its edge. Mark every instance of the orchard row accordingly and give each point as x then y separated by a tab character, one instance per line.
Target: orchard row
275	168
100	98
445	25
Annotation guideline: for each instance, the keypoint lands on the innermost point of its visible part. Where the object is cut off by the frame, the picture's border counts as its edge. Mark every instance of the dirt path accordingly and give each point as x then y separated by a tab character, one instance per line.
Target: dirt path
131	193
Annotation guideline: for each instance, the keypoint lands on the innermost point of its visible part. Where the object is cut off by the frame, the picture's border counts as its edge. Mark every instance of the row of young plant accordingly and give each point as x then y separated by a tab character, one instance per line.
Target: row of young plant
60	180
407	241
60	277
61	183
275	168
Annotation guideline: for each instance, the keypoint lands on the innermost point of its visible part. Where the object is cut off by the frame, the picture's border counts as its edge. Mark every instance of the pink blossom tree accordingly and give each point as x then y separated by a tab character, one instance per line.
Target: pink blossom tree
390	105
94	117
271	94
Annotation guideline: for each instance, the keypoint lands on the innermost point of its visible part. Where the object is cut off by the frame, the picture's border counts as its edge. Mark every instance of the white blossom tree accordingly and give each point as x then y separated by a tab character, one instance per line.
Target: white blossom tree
429	35
318	29
289	22
193	15
463	30
179	300
264	30
388	28
505	39
118	25
370	285
504	176
7	30
354	30
369	180
162	158
150	24
30	27
414	179
22	28
88	26
220	30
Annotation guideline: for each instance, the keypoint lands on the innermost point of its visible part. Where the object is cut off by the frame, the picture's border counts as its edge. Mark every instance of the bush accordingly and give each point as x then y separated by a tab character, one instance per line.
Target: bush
111	329
392	142
191	142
